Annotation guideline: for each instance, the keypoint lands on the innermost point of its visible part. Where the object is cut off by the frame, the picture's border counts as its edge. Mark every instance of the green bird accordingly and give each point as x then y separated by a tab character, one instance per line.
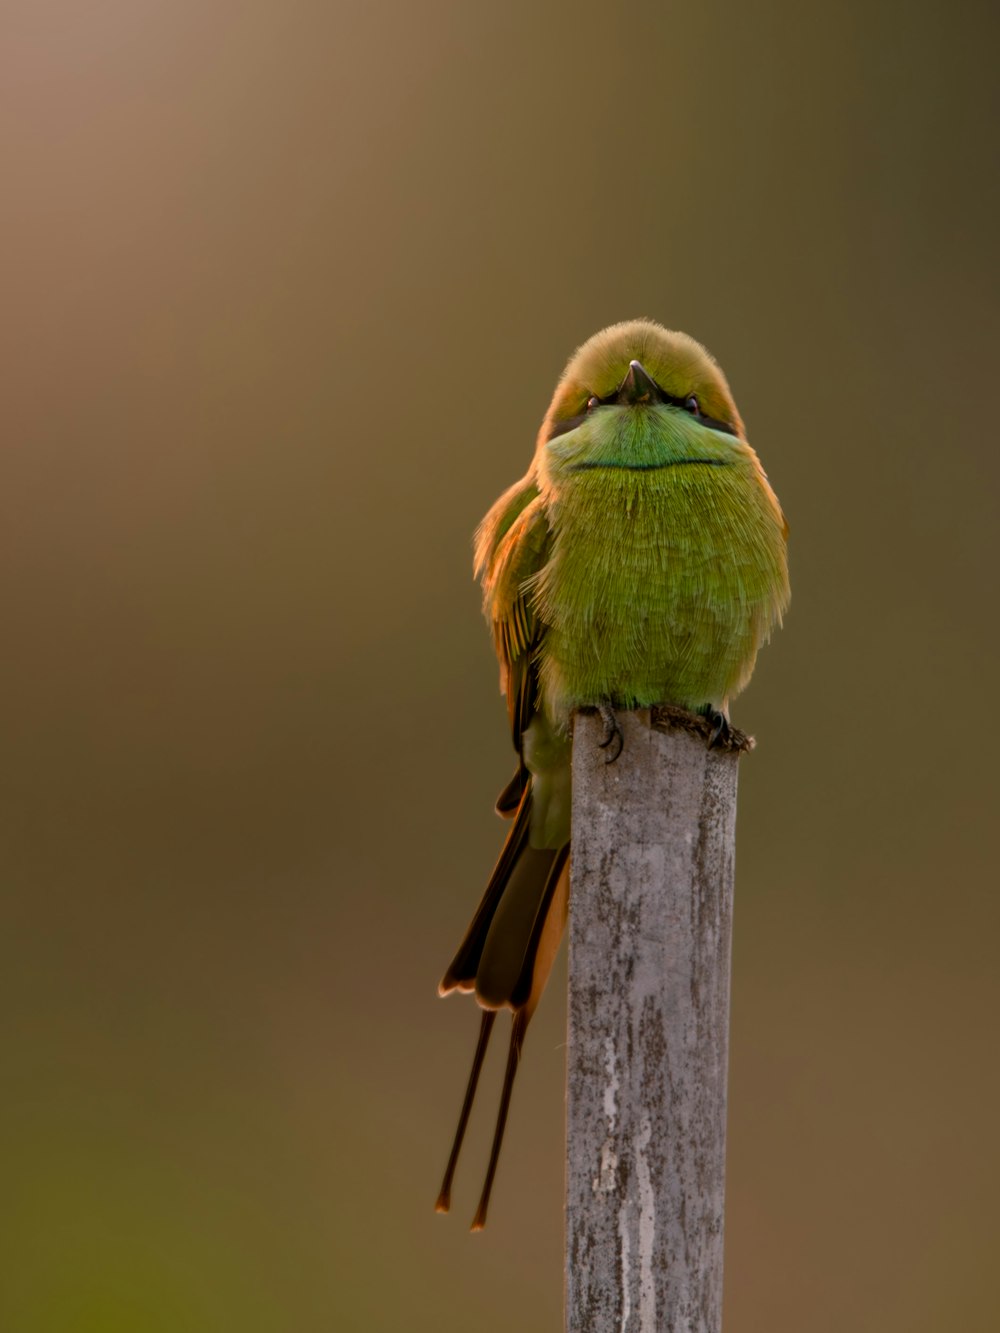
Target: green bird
640	560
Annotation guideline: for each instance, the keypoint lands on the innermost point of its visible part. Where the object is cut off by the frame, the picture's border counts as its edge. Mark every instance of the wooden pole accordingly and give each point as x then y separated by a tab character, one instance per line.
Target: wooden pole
649	950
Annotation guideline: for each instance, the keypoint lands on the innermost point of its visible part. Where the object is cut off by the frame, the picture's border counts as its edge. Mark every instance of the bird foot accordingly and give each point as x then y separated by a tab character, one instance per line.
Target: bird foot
721	730
614	739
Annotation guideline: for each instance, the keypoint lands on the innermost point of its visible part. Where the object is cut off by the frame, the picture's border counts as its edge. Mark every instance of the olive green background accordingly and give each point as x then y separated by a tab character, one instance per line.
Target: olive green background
287	289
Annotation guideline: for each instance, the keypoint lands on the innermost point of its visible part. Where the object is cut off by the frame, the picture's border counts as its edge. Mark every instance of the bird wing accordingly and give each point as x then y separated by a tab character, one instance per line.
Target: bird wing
511	941
508	578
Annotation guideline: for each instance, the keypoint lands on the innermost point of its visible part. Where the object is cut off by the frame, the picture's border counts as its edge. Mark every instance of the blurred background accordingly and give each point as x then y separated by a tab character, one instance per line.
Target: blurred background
287	289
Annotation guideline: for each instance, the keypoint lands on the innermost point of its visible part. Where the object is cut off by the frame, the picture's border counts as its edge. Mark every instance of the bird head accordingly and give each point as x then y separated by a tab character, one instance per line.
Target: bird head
639	364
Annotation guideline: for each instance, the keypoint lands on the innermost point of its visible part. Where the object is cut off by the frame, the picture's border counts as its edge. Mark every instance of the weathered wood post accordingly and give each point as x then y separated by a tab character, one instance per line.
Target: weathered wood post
650	929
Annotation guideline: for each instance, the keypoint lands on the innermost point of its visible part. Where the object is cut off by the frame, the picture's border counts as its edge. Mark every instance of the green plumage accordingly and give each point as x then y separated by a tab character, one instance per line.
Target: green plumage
660	584
640	560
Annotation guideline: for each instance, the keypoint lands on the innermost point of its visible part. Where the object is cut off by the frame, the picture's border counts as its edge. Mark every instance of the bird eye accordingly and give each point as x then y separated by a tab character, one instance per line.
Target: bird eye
593	402
691	405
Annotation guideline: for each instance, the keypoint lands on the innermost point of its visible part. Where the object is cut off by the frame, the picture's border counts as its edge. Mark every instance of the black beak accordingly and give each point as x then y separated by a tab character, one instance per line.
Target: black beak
637	387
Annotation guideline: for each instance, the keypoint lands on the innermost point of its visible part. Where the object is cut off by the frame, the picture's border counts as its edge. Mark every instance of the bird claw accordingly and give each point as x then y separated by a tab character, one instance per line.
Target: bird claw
721	730
613	735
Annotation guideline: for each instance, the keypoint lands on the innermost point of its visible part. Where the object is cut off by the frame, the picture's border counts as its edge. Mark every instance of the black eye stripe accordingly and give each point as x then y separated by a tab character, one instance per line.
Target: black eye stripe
570	423
714	424
564	427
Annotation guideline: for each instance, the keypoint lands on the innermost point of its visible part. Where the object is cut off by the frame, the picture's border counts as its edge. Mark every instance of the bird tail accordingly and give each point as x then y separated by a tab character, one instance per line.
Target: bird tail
505	958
